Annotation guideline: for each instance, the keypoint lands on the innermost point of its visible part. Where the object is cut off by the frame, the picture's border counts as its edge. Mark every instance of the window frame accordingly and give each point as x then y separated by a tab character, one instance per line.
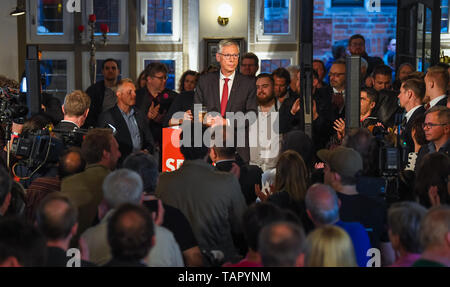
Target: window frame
32	21
177	20
292	56
70	72
176	56
123	22
290	37
122	56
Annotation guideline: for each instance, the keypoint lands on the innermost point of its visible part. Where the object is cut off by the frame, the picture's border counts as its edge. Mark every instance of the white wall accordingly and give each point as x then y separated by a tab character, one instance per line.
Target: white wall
209	28
9	53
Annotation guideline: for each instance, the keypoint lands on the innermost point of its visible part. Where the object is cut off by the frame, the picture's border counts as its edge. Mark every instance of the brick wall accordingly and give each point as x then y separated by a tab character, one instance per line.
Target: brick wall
333	24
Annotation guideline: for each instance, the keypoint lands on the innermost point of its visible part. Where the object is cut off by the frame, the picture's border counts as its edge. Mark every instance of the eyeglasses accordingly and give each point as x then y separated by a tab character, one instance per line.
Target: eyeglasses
431	125
336	74
229	56
162	78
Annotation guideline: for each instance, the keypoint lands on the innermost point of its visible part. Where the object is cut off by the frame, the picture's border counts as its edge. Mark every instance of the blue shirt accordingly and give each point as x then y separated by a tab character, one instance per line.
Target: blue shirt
133	129
360	240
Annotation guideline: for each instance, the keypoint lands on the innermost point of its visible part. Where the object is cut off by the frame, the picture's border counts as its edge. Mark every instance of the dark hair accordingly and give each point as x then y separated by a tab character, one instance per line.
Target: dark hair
35	123
256	217
56	226
356	36
187	144
265	75
281	249
382	70
339	48
252	56
367	146
23	241
315	74
429	175
110	60
154	68
5	183
146	166
130	240
183	77
138	81
282	73
300	142
417	127
95	142
223	148
372	94
67	168
417	86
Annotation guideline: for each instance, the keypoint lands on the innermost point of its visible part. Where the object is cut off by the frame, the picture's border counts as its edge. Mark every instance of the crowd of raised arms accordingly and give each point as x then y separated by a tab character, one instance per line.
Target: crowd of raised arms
334	198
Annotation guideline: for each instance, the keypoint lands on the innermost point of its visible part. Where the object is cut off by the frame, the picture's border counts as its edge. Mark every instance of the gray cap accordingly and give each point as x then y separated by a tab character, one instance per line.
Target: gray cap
343	160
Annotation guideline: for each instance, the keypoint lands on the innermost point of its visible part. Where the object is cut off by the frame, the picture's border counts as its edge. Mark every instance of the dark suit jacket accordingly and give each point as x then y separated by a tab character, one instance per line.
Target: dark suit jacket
406	135
114	117
288	121
97	93
182	103
242	98
442	102
74	140
386	107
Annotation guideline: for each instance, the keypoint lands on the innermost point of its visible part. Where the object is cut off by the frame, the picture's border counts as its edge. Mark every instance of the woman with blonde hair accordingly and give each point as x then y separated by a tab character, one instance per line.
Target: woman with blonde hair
329	246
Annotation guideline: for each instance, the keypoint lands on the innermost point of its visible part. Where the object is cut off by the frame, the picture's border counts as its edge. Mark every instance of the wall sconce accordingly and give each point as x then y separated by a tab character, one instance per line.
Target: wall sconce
225	12
18	11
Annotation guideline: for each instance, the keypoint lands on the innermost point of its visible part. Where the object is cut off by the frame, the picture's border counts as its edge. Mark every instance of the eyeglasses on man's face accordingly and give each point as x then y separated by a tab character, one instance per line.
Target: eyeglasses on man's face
162	78
431	125
230	56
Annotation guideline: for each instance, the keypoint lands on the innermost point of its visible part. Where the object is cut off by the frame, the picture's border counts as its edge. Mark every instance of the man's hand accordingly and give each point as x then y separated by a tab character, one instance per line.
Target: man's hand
215	121
295	107
187	116
339	126
153	111
314	110
264	194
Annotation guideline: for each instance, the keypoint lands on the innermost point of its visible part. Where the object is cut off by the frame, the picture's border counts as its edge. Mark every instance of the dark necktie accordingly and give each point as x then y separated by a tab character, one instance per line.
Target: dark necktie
427	106
223	103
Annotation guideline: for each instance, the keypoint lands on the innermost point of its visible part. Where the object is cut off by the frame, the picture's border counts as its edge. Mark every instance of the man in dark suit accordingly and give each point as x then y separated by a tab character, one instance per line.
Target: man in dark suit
411	96
227	91
75	109
436	82
102	92
132	132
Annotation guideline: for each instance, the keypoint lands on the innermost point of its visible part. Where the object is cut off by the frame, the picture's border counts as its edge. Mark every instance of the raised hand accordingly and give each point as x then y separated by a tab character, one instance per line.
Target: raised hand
295	107
339	126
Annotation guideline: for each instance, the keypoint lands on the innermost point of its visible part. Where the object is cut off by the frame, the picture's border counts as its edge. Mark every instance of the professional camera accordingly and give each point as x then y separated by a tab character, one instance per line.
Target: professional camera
36	148
10	107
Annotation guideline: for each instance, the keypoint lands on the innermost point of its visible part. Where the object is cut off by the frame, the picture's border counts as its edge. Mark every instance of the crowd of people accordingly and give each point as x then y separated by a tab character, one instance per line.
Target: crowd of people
290	200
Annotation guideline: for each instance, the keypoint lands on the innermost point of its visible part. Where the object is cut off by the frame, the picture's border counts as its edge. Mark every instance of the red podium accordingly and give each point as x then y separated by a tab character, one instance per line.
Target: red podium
172	158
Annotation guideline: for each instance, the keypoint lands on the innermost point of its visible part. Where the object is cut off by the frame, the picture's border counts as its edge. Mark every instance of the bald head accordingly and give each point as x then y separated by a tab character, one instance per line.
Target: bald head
71	162
56	217
322	204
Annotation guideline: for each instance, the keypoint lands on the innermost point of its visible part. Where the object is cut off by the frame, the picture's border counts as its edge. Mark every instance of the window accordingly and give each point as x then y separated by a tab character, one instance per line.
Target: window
49	22
112	13
270	61
160	20
173	61
347	3
276	21
268	66
121	57
58	78
444	16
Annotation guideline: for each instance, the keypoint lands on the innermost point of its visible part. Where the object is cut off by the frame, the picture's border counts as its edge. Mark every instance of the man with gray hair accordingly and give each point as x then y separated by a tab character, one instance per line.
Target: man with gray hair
435	238
404	220
281	245
228	91
322	206
120	187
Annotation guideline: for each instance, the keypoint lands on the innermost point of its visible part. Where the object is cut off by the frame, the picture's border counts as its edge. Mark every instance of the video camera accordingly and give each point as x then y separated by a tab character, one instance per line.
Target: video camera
40	147
10	106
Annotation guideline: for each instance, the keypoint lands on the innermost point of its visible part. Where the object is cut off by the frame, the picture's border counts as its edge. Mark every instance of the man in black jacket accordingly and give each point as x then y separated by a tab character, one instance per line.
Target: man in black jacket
102	93
132	131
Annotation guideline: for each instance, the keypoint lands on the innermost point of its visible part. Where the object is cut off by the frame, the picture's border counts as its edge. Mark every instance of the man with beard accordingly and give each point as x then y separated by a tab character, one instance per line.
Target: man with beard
264	133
